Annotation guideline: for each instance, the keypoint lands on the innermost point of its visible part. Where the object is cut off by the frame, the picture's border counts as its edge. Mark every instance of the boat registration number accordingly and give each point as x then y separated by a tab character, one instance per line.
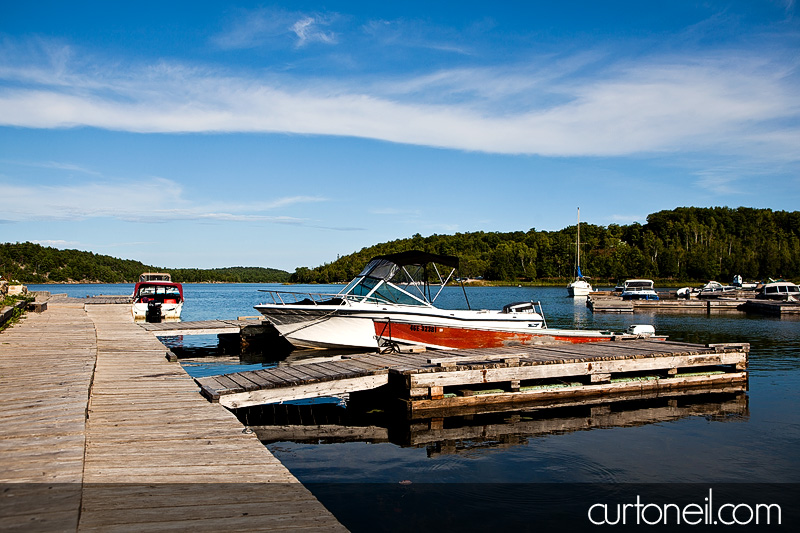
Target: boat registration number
426	329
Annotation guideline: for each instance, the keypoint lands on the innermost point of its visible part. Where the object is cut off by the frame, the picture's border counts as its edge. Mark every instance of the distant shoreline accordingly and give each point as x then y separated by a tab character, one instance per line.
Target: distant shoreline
482	283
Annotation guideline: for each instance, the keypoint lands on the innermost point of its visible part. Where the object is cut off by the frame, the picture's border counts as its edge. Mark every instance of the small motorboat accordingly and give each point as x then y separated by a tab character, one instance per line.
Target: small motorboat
156	297
715	289
391	304
638	289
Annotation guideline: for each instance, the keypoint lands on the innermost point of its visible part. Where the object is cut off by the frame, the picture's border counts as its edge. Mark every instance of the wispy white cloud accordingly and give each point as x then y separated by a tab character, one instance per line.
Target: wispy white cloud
57	165
275	27
737	104
718	183
58	243
416	34
308	30
134	202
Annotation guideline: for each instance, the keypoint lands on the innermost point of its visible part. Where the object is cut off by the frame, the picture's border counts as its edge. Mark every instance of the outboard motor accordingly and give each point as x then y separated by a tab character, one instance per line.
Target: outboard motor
153	312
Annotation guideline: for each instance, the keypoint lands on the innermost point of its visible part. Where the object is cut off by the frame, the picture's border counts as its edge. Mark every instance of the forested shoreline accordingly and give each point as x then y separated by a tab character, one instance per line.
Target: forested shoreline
33	263
684	244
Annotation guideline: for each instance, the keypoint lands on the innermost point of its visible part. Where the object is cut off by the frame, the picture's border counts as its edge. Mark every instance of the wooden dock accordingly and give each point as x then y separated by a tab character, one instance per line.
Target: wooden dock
547	374
200	327
772	308
244	335
615	304
99	432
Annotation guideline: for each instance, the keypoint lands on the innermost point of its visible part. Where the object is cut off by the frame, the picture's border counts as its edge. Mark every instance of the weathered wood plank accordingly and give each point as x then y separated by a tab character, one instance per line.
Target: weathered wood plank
569	395
309	390
146	424
495	375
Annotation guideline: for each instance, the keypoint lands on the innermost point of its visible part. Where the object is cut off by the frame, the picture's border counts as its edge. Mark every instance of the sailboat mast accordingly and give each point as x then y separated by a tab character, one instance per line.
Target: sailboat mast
578	242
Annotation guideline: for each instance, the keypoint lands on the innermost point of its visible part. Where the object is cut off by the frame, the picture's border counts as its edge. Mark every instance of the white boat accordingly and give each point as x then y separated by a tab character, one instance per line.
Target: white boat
638	289
156	297
714	289
780	290
391	304
579	287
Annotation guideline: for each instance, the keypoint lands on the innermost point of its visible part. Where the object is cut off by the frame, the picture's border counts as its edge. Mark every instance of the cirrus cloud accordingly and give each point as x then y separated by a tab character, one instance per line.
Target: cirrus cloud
731	104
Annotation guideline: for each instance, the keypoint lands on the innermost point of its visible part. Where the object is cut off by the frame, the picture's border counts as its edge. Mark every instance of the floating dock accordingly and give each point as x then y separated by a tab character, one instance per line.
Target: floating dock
600	302
99	432
547	375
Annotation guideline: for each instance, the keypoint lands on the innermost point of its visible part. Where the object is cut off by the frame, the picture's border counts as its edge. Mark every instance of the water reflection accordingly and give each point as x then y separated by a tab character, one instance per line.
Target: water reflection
471	431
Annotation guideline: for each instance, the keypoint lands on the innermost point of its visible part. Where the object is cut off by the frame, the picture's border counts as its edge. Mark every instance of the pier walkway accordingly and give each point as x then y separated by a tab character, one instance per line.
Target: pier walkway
99	432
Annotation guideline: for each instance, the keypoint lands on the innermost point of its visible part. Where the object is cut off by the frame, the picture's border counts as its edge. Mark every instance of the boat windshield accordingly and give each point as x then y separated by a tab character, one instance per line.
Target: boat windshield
380	269
638	284
153	290
385	281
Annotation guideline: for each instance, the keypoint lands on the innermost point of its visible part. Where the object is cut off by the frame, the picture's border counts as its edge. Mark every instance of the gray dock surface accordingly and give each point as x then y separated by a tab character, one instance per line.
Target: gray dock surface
420	378
99	432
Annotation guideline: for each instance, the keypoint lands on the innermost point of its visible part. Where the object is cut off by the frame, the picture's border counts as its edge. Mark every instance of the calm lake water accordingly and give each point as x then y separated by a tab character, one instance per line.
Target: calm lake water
752	438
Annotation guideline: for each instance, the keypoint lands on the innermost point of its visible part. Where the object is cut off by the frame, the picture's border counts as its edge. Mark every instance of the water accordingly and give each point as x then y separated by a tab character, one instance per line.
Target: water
758	441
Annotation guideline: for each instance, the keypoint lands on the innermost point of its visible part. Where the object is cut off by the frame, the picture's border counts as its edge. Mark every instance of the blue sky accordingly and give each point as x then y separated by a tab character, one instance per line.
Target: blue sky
209	134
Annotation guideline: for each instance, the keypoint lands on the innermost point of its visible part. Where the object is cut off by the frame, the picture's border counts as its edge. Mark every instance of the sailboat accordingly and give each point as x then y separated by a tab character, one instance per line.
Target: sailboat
579	287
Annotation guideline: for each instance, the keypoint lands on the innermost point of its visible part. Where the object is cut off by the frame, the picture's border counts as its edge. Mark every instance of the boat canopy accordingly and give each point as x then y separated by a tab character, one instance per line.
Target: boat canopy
402	278
155	276
638	284
160	288
416	257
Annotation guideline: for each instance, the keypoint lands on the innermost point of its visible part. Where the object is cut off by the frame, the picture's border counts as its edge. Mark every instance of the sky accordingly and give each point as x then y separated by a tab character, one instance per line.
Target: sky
213	134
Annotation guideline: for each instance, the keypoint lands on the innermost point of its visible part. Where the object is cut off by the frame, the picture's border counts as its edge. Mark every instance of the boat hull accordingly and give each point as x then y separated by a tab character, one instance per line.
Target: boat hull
314	328
352	326
168	311
463	338
579	288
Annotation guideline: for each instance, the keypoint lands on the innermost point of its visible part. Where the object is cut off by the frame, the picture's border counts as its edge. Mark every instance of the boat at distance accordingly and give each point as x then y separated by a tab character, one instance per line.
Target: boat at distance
739	283
391	304
579	287
156	297
715	289
780	290
638	289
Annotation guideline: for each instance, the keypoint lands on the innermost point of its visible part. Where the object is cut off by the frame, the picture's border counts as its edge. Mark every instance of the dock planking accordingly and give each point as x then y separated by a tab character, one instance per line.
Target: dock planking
421	379
199	327
98	424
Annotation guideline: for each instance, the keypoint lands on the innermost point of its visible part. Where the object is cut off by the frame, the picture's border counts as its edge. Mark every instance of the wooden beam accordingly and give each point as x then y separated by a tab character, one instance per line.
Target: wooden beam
549	371
300	391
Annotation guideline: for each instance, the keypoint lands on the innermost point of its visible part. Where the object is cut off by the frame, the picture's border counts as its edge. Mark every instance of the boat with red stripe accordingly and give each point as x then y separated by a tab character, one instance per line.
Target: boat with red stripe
391	303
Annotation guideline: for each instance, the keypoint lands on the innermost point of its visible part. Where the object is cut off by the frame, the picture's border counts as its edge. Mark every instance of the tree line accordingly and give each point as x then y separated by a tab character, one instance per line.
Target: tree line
33	263
684	244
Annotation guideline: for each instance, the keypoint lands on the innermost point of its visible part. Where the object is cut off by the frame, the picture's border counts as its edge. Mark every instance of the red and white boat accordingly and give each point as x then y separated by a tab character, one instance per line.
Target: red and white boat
391	303
157	297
